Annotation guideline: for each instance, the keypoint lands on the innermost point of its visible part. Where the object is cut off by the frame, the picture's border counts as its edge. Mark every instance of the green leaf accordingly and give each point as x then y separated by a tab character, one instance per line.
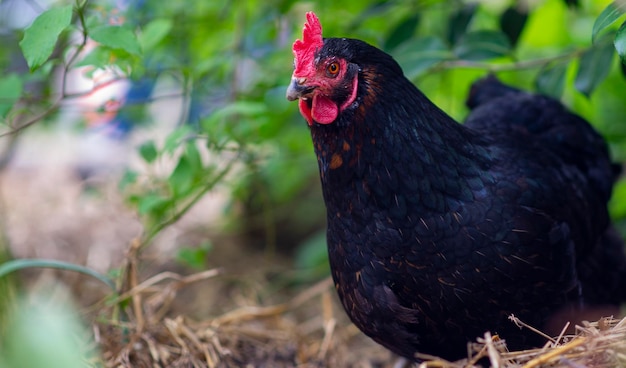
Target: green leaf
419	54
188	172
311	258
99	57
129	177
41	36
42	332
194	257
11	88
617	204
482	45
148	151
620	43
174	140
19	264
116	37
402	32
376	9
608	16
152	204
459	21
512	23
102	57
193	155
154	32
181	179
551	79
243	108
574	4
594	66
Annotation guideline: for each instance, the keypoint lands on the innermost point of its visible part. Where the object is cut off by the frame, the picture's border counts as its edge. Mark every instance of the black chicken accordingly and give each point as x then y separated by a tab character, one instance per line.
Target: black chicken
438	231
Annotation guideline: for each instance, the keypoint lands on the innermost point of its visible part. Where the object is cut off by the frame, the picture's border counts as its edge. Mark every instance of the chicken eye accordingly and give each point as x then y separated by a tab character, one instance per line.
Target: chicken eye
332	69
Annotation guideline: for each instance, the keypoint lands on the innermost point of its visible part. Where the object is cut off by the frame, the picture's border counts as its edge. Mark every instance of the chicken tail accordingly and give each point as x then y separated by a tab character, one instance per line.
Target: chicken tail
602	273
488	89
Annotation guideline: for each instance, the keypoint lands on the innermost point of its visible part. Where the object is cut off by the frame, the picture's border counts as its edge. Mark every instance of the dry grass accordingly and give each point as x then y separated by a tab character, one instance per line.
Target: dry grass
253	336
595	344
249	336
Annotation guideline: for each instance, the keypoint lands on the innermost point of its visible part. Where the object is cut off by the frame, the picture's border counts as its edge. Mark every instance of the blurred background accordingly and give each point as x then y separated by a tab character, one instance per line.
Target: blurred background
165	124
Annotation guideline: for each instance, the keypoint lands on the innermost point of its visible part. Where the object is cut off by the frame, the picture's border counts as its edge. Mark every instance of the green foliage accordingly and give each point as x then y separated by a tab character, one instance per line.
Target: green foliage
422	53
551	79
194	257
459	21
41	37
482	45
402	32
148	151
154	32
464	45
312	258
162	200
594	66
18	264
116	37
188	172
8	289
11	88
608	16
44	334
620	42
512	23
617	206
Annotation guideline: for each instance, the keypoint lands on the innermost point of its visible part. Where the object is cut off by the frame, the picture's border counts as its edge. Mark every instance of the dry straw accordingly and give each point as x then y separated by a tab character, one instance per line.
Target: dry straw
274	336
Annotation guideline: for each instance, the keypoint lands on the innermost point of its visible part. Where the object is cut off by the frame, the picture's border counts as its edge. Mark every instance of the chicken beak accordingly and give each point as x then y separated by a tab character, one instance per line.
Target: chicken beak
298	89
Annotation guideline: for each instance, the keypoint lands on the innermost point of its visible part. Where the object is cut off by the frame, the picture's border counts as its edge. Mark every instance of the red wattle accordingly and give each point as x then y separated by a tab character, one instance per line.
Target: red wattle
324	110
305	111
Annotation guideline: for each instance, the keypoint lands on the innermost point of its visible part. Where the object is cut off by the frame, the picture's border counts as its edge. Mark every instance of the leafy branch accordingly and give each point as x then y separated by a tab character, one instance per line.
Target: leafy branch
511	66
477	49
190	202
38	45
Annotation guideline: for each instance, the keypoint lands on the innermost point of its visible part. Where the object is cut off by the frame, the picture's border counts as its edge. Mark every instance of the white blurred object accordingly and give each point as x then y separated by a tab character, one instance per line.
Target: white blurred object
44	333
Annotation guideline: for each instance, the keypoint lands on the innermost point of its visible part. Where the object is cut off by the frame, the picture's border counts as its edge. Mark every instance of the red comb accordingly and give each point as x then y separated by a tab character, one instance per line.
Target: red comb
304	50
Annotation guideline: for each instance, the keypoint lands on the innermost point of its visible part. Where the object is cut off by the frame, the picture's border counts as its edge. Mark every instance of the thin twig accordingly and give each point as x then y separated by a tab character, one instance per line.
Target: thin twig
81	46
35	119
182	280
132	283
515	65
560	337
94	89
521	324
329	325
